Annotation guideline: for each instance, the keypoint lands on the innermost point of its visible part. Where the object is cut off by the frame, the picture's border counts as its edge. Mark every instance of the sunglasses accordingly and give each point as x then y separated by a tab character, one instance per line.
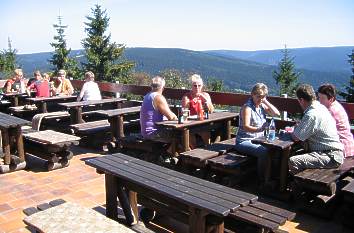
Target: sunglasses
197	85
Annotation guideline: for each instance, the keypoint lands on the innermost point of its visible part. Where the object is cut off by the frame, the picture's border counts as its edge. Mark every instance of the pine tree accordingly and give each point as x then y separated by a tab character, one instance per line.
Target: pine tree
104	58
60	58
286	77
8	60
349	95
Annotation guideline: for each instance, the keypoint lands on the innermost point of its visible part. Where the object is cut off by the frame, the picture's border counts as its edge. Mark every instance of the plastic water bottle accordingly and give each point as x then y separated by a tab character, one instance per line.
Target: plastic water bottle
271	136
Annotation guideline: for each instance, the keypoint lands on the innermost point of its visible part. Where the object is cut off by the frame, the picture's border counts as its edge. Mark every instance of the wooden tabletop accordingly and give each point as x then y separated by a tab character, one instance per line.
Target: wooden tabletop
191	191
91	102
51	99
119	111
281	141
14	94
8	121
213	117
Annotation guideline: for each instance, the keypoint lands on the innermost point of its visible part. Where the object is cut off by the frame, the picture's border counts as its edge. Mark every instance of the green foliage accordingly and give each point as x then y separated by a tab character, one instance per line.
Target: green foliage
60	58
8	60
286	77
214	84
104	58
349	94
173	78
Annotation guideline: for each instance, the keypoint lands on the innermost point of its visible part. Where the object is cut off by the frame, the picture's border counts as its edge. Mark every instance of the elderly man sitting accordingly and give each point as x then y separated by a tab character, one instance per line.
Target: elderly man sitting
318	128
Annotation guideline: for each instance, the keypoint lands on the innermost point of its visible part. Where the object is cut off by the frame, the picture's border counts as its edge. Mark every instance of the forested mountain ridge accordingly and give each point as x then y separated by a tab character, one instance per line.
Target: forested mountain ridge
236	73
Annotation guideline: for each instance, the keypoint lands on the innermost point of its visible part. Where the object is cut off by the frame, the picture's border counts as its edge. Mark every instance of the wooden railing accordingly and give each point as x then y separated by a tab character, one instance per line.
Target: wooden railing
290	105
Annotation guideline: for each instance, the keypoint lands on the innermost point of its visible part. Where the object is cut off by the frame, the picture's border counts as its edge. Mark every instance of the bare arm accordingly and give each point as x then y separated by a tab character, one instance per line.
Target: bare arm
161	105
246	116
206	97
270	108
185	102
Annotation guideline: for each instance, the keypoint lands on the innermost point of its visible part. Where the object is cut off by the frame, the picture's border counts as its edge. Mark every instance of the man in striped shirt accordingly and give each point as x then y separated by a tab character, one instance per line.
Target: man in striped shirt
317	129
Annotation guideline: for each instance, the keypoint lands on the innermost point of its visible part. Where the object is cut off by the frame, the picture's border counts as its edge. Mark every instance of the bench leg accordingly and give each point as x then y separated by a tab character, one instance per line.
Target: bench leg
111	184
198	222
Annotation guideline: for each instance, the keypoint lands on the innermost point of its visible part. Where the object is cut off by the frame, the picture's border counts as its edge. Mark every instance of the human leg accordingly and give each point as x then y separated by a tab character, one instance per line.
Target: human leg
314	159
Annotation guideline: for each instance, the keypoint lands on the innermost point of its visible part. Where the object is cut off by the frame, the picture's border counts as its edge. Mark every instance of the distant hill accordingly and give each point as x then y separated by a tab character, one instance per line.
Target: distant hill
236	73
328	59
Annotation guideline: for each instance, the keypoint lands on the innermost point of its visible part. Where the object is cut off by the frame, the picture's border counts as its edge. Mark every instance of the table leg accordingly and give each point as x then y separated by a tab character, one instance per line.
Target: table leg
111	185
284	169
19	143
6	146
120	125
185	139
113	123
197	221
43	107
15	101
228	130
76	115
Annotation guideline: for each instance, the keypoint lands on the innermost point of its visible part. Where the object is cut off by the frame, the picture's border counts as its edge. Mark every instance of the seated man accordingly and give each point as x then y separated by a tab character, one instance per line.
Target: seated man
40	85
153	109
318	128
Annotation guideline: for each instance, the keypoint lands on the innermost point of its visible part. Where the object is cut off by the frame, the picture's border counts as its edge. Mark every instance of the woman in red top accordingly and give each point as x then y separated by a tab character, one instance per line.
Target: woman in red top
191	100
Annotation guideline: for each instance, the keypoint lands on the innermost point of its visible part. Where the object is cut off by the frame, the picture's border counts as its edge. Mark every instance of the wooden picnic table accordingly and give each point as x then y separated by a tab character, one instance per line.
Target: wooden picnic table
75	108
219	120
283	143
199	200
14	97
43	102
116	119
10	127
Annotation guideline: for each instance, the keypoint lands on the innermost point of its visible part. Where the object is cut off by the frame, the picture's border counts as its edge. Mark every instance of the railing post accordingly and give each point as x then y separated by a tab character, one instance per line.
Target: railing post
284	114
117	93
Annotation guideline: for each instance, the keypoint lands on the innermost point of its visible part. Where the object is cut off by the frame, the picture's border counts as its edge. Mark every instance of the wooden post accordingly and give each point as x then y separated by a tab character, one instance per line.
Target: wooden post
284	169
6	146
197	221
19	143
43	107
120	124
114	128
111	185
185	139
284	114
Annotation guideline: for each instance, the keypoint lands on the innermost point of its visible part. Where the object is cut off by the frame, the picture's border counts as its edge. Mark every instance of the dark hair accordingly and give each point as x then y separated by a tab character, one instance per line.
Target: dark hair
328	89
306	92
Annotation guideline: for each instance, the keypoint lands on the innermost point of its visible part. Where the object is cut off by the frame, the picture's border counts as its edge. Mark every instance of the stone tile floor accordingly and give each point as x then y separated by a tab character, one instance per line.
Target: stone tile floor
81	184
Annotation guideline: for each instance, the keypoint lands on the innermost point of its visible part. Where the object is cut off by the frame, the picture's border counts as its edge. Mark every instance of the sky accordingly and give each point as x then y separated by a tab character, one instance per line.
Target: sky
189	24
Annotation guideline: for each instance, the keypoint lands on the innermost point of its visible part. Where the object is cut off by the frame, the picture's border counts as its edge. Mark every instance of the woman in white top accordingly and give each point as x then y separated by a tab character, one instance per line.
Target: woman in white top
90	90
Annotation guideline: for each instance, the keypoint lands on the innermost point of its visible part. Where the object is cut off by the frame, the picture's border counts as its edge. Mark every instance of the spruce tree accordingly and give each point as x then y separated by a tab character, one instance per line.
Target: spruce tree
286	77
8	60
60	58
349	95
104	58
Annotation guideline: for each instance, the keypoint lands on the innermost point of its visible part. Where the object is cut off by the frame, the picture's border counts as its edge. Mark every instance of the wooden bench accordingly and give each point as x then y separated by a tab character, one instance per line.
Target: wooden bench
51	146
323	181
147	149
61	216
348	203
265	217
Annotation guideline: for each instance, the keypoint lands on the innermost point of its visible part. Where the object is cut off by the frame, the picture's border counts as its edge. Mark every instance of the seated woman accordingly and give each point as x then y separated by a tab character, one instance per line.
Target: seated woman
191	101
90	90
252	123
16	83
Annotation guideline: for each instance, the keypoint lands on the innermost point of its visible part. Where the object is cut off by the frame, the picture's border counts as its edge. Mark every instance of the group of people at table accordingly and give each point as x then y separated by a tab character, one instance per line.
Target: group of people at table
324	128
44	86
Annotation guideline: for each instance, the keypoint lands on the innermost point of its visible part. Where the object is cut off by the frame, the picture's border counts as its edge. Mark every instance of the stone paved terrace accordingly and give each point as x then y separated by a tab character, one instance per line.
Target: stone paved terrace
81	184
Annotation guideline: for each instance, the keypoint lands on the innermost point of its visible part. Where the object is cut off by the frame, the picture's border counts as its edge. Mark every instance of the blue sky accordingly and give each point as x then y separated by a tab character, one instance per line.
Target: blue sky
189	24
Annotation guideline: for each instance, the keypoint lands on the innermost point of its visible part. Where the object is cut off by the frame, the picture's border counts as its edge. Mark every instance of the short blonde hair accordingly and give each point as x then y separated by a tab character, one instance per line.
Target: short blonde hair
18	72
89	75
62	72
260	89
195	78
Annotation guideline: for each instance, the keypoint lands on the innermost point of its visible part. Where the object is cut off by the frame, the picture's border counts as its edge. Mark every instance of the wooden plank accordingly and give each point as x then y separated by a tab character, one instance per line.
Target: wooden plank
229	160
198	155
274	210
120	111
124	174
209	187
91	102
177	184
51	137
253	219
264	214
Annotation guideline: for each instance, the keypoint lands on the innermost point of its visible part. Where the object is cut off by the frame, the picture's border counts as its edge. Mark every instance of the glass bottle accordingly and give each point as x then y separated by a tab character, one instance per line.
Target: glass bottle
272	130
